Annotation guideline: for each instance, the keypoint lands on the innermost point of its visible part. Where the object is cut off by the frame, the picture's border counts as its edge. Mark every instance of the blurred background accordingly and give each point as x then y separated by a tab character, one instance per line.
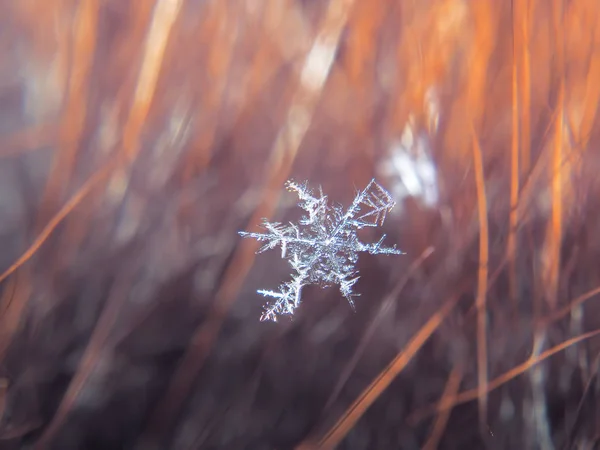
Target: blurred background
137	139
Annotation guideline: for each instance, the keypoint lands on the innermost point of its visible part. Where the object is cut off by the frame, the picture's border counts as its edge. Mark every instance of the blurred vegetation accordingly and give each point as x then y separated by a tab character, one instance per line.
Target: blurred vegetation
139	136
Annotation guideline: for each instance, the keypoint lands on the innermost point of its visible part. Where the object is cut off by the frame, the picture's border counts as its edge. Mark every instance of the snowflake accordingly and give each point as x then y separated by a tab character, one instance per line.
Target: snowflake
323	247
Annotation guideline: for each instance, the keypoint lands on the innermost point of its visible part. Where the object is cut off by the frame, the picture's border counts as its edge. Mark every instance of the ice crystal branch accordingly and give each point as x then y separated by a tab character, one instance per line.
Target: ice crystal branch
323	247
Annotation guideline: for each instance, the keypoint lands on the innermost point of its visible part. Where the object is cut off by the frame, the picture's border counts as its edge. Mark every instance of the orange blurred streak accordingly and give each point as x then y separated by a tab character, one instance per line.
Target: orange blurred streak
481	300
514	170
74	115
452	386
164	16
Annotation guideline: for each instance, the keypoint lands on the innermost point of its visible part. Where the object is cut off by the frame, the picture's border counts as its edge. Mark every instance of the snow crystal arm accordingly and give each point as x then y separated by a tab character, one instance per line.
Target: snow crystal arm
379	249
287	299
376	202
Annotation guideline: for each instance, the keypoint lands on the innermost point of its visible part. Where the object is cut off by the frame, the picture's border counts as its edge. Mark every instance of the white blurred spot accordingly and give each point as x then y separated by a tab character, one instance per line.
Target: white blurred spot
432	108
43	91
169	144
317	65
412	168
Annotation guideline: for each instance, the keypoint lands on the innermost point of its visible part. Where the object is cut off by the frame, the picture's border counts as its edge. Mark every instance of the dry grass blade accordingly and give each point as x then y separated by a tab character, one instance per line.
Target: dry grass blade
450	391
481	304
473	394
337	433
524	16
14	302
556	227
73	202
514	170
559	314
